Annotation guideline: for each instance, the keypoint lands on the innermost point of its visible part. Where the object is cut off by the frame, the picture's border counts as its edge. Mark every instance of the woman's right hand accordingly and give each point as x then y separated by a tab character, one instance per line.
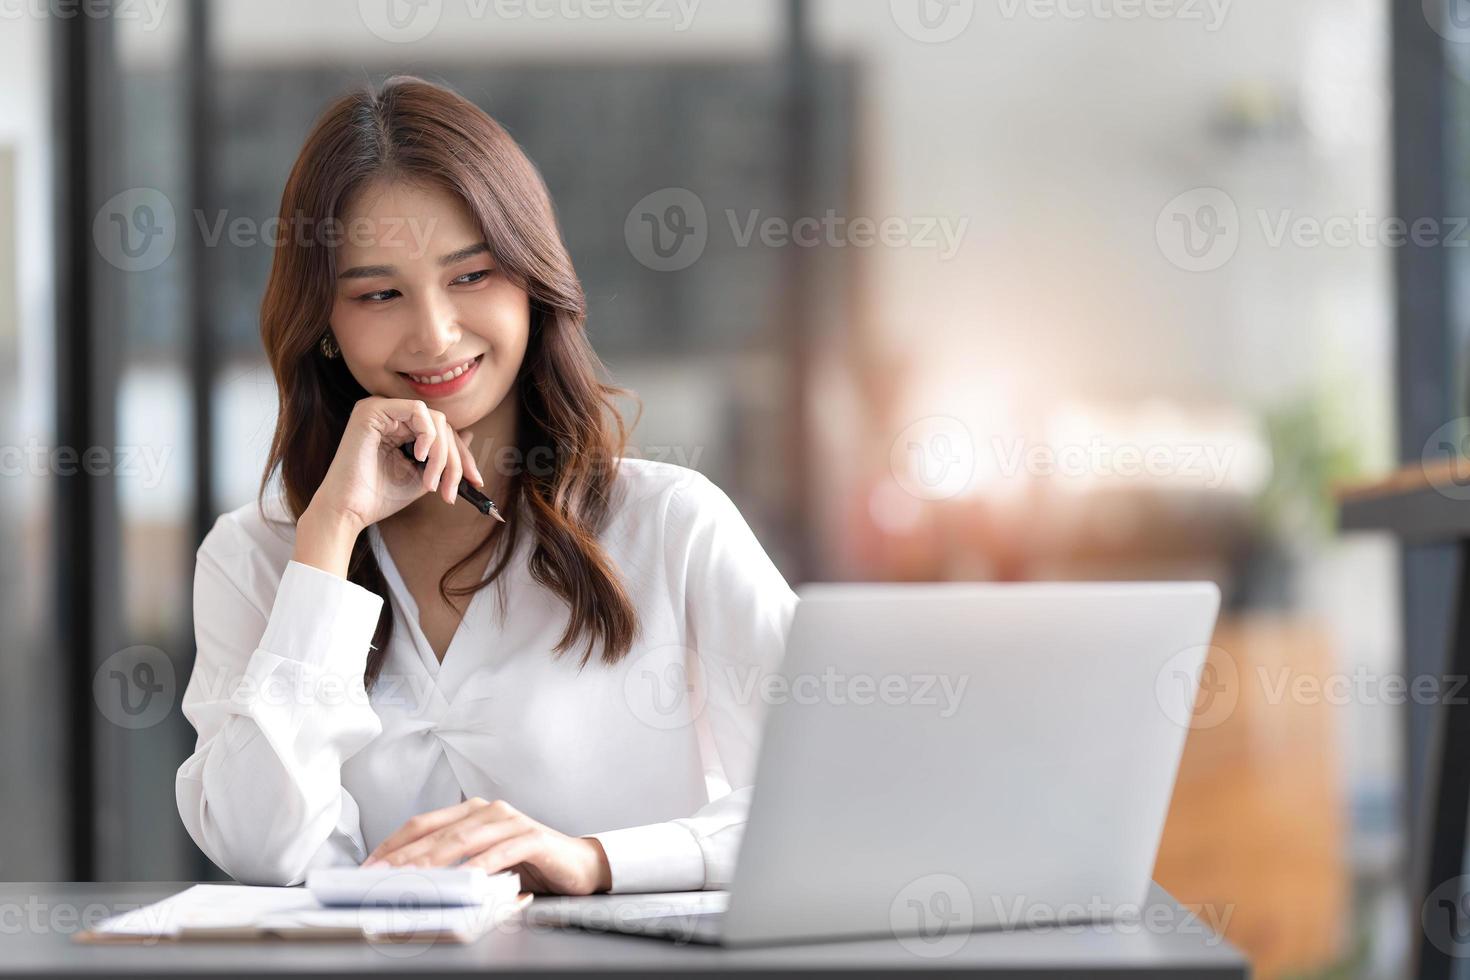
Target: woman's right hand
370	479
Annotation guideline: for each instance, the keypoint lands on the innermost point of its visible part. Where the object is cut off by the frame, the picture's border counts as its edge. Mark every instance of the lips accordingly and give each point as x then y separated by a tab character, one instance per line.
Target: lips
448	381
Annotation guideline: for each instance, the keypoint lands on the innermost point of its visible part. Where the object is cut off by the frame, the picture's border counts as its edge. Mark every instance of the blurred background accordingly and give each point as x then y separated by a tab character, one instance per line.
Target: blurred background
935	289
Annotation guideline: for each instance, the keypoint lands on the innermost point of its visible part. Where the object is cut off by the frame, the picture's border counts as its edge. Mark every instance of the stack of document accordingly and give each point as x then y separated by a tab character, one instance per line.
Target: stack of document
381	904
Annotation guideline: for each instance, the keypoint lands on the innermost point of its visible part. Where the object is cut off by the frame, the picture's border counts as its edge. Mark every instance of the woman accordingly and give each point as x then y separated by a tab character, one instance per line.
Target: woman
360	693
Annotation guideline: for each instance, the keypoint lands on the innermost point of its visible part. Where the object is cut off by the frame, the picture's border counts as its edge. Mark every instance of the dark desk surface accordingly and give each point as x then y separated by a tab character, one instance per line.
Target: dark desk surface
37	921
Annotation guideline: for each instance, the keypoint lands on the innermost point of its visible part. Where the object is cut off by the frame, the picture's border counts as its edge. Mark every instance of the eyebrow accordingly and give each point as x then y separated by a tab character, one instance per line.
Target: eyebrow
374	271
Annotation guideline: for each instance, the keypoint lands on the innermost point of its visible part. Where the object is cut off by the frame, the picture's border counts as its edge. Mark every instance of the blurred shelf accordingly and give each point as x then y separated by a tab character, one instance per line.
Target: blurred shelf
1418	503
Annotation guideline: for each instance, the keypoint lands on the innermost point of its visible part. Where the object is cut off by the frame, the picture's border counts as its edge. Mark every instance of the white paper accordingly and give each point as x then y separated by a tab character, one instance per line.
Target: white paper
295	909
211	906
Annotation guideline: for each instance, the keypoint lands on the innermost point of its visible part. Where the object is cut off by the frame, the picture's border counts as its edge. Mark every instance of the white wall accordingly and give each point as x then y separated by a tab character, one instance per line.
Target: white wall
1061	141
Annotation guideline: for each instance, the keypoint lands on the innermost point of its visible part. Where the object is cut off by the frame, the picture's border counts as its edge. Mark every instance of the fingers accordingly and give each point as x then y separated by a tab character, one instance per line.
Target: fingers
425	823
472	466
443	451
522	848
438	456
406	416
495	837
470	835
453	467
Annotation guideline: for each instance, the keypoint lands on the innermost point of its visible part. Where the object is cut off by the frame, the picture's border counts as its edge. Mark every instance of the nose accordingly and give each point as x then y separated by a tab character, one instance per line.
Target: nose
436	328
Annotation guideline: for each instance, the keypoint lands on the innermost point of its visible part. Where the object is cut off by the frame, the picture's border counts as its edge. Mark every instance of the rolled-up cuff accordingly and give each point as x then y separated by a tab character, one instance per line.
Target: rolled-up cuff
321	620
657	857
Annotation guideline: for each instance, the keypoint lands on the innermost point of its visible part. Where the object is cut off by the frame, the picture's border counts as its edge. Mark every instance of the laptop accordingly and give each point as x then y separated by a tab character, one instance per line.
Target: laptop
950	757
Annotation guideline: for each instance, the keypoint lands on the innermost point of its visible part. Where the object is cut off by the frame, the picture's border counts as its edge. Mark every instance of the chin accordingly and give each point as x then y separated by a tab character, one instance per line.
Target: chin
464	416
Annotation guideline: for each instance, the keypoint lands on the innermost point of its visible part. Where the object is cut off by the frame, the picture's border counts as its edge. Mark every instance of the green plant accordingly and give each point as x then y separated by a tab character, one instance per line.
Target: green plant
1314	445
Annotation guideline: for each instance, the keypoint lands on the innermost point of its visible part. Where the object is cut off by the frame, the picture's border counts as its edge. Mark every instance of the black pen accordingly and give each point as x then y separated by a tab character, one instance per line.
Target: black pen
466	489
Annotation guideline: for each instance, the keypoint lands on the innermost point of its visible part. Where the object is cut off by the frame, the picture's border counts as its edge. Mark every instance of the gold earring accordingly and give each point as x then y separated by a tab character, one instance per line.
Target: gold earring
329	347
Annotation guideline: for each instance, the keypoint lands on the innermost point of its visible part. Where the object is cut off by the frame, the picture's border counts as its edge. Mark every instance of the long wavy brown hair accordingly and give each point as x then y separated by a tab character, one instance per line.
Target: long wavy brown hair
412	129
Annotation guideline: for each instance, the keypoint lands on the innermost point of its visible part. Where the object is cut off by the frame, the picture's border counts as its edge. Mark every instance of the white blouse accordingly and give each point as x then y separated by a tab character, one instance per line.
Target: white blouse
296	767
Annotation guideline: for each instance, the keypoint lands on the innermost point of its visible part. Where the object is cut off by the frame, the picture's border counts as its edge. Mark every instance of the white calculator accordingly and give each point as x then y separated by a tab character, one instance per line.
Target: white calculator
410	887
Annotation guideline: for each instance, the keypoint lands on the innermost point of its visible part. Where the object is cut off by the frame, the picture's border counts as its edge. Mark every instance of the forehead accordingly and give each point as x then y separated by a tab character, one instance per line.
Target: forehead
398	218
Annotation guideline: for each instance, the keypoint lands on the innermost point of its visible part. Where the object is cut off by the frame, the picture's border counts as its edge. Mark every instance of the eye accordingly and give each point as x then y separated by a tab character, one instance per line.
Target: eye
470	278
378	296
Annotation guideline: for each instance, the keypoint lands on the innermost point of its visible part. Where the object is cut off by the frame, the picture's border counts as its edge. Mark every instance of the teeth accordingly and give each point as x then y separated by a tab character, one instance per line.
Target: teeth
435	379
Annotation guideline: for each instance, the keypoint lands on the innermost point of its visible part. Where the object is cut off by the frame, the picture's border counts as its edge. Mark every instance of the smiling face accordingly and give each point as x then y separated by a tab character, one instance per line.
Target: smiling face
421	310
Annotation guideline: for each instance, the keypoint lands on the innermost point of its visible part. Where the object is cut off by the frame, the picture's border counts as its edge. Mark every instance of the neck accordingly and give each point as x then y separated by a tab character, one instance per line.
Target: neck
491	441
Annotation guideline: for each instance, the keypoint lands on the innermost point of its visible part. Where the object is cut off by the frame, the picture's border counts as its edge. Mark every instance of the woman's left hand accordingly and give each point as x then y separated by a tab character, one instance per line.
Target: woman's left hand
497	837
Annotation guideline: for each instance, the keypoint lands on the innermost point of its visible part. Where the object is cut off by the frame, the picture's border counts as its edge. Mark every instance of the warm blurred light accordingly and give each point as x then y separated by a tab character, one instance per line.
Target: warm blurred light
1155	443
967	418
893	511
1002	445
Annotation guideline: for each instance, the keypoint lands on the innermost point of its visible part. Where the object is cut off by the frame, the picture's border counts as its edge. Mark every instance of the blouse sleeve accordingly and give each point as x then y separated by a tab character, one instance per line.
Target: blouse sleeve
277	698
737	613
